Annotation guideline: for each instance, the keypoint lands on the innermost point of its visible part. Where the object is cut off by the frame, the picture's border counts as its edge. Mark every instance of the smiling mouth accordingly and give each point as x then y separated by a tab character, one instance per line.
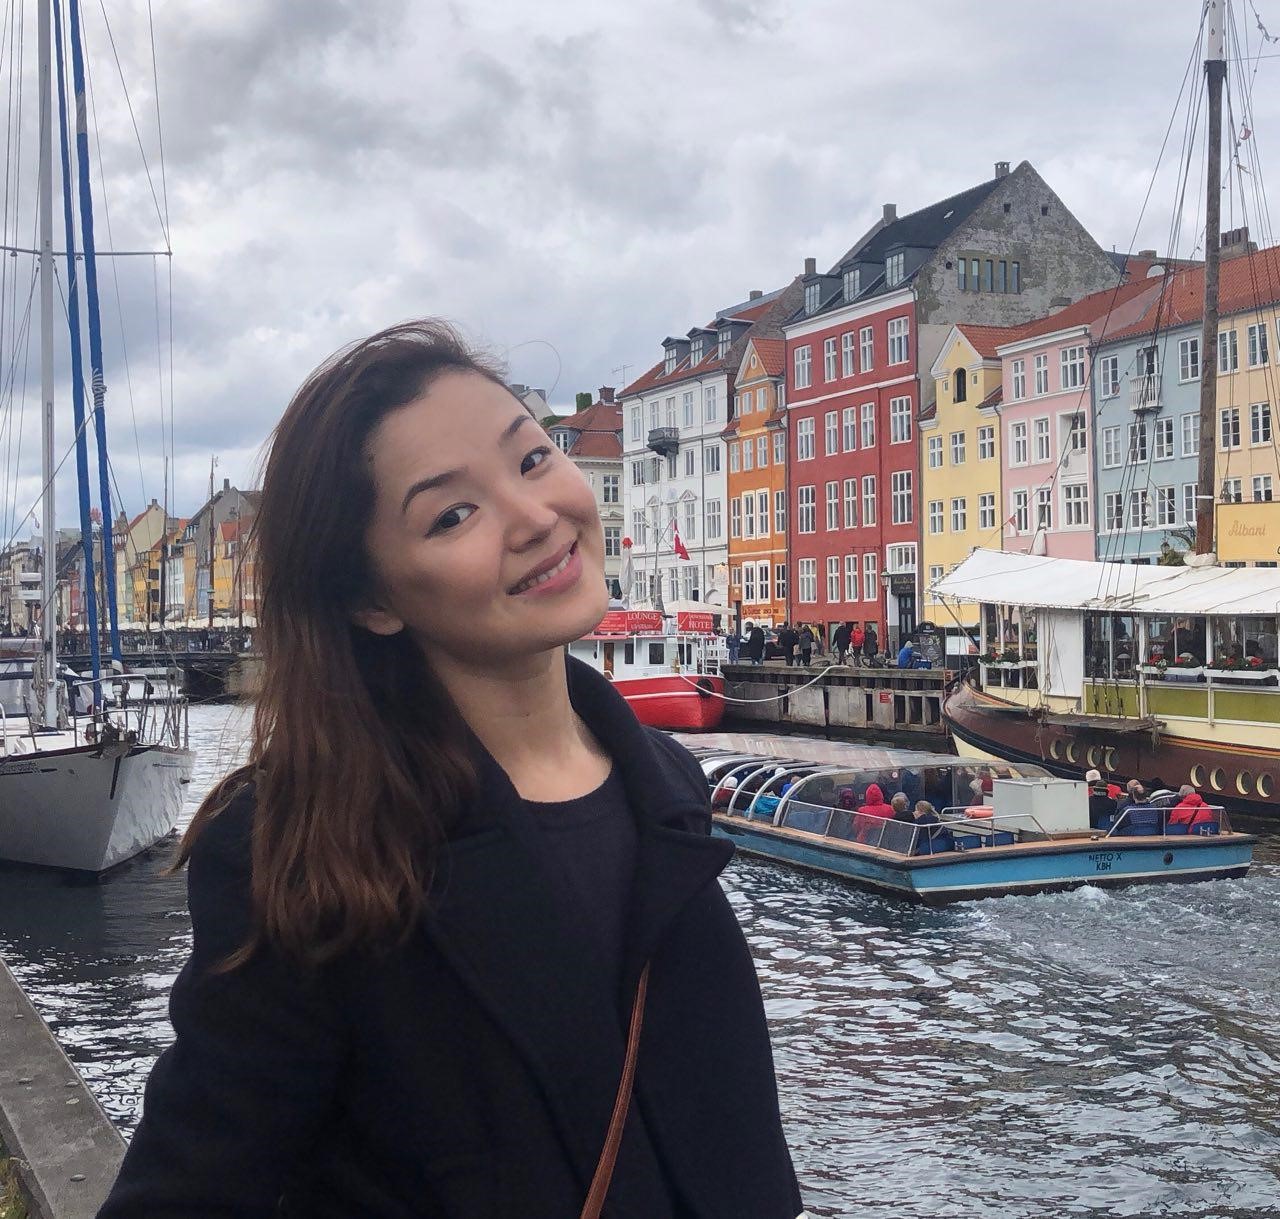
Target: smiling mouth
544	576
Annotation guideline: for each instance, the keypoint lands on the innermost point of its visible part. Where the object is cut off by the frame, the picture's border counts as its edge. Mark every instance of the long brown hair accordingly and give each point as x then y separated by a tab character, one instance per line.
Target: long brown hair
359	758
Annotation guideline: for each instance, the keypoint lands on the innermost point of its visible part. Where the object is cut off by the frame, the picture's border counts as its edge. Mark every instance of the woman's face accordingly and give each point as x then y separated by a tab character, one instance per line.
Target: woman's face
485	541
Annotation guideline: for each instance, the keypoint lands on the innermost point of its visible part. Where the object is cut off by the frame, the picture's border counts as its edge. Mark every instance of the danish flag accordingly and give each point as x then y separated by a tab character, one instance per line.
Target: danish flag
682	551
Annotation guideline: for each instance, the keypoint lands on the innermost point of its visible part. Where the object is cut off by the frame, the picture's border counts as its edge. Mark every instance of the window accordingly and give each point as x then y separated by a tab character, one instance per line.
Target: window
935	516
833	577
735	518
688	410
849	419
612	541
690	520
847	357
723	341
655	414
711	459
1044	507
851	577
749	582
1072	367
866	344
808	580
812	295
803	360
935	452
1019	390
1188	503
1075	504
806	516
639	527
713	519
780	512
637	473
988	276
749	515
671	412
1229	428
1112	511
1015	277
690	458
1261	488
1162	440
762	514
899	342
611	488
762	581
1021	511
962	274
744	401
829	359
1257	344
1228	356
1002	276
779	448
832	430
762	451
780	581
833	505
804	440
671	465
852	283
1189	360
959	515
1018	444
987	442
869	590
1138	504
1108	376
735	461
710	407
893	269
1043	448
868	499
1191	435
669	362
1260	423
1137	442
957	448
1166	506
851	503
1231	491
987	510
975	273
960	385
901	510
1042	374
634	417
899	420
868	424
748	455
1077	433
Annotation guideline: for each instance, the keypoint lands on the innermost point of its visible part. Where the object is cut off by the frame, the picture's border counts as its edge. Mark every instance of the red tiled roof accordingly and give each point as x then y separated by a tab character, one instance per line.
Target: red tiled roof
1113	307
994	398
600	430
1249	281
772	353
985	339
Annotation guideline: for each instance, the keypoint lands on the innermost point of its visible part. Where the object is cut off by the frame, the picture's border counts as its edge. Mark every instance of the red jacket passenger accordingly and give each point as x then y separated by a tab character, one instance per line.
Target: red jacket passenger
866	824
1192	810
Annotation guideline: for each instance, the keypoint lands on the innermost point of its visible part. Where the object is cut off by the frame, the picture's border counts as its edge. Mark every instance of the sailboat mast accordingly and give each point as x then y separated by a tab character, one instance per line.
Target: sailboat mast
1215	70
48	566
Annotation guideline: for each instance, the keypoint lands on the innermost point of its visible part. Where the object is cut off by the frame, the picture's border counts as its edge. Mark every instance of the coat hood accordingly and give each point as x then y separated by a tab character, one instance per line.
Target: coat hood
874	794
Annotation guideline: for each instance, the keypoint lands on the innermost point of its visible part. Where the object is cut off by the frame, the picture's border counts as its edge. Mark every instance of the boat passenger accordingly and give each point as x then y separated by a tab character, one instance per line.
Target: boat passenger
901	806
1191	809
846	799
724	792
866	822
906	655
428	906
937	835
1102	807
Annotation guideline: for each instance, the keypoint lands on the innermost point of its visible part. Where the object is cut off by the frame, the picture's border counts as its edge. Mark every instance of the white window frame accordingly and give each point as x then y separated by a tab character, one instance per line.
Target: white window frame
934	449
833	577
987	442
1108	376
833	505
1188	360
867	434
851	577
849	428
870	577
851	503
900	430
937	523
831	433
807	581
866	348
1019	443
899	340
958	446
805	446
1071	367
1162	445
901	497
1260	423
806	508
1040	370
1018	380
803	362
829	365
959	514
987	510
868	499
848	354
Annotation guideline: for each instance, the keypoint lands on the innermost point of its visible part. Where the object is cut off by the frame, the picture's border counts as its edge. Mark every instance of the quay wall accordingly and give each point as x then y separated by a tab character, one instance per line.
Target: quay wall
872	702
63	1146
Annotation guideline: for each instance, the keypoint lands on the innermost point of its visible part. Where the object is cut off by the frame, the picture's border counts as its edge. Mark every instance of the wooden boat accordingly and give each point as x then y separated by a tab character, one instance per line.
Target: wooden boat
666	667
1005	827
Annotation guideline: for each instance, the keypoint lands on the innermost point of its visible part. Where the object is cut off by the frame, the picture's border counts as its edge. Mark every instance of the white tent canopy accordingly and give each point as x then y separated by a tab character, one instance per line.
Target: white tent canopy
1122	588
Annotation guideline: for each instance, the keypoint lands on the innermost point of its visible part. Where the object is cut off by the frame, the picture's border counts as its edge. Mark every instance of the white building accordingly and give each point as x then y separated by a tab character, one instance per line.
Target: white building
674	476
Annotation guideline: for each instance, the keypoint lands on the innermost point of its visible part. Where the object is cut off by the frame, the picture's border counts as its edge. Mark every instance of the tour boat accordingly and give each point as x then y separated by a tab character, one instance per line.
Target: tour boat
667	667
1005	828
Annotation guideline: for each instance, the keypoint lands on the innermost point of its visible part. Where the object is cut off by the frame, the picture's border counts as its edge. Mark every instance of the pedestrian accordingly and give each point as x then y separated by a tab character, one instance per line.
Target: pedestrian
906	655
452	885
807	641
843	640
755	643
733	641
788	640
870	644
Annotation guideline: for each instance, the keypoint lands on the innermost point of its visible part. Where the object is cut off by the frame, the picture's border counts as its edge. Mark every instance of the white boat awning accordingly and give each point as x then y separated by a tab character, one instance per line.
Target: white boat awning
1036	581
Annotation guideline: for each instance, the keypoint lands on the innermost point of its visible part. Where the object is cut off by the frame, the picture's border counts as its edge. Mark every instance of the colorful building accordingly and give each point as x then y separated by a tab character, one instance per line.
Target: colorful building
756	451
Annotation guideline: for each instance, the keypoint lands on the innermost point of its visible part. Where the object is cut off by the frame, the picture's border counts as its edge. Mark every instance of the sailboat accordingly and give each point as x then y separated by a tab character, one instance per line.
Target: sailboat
1162	673
80	790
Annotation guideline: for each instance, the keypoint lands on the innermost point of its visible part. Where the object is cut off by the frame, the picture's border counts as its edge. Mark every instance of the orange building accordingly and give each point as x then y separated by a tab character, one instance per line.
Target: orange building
756	440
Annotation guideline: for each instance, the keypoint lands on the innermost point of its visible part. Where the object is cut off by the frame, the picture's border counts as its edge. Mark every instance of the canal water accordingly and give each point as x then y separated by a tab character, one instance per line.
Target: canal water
1085	1054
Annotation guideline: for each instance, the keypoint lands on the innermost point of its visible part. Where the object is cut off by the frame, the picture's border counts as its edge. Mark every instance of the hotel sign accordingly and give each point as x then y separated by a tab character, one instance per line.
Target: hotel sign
1248	532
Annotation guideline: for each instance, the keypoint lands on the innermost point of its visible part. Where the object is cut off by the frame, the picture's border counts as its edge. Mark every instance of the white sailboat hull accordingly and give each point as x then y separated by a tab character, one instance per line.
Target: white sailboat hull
87	809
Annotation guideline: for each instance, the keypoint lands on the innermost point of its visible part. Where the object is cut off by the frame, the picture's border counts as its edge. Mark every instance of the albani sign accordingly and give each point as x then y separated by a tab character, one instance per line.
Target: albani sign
1248	532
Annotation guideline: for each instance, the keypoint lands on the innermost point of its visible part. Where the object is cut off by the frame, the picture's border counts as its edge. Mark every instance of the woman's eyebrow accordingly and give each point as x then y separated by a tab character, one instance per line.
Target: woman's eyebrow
439	480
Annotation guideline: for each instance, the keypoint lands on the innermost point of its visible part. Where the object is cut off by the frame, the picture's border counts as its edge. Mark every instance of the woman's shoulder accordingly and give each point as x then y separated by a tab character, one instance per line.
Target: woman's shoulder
684	771
220	870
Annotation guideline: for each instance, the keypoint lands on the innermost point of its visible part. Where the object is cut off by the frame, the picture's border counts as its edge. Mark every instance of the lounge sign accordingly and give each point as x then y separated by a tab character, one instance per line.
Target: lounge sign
630	622
1248	532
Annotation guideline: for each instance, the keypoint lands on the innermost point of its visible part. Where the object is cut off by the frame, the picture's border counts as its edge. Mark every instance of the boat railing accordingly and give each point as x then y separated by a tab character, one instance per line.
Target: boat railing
1140	820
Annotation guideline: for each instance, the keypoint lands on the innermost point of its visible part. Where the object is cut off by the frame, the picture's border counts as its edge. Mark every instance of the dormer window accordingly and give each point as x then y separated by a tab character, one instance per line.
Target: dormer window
726	337
811	294
852	283
894	269
695	355
669	365
564	440
961	386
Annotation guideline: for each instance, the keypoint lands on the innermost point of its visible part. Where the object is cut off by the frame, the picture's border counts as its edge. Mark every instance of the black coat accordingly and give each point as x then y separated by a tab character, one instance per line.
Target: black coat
755	644
470	1073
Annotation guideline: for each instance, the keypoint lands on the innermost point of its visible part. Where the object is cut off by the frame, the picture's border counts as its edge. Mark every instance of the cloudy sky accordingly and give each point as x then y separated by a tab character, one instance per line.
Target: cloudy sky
569	180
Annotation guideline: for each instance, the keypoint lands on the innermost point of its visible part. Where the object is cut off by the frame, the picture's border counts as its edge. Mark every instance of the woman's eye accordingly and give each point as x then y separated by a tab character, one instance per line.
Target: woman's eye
452	518
536	458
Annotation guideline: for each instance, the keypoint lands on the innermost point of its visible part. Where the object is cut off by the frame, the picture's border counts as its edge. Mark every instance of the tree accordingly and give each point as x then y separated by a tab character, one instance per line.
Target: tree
1169	556
582	400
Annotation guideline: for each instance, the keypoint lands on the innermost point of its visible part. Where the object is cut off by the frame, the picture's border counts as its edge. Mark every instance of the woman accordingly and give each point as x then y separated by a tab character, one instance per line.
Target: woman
423	912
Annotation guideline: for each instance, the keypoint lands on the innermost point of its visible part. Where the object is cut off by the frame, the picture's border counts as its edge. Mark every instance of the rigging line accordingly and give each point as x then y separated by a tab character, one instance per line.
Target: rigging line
10	471
155	88
115	277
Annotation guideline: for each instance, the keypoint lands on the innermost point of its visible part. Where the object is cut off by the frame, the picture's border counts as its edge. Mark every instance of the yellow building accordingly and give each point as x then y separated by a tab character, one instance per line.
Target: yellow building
960	462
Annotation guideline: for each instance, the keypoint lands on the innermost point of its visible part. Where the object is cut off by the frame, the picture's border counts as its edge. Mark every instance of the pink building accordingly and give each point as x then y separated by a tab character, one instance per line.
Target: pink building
1046	441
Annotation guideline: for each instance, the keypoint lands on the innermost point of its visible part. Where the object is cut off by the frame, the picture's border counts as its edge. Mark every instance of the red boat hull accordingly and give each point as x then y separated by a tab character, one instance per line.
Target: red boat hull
693	704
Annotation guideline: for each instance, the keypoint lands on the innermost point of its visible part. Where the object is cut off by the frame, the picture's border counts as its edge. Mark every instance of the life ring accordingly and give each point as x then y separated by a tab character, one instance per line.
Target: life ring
704	687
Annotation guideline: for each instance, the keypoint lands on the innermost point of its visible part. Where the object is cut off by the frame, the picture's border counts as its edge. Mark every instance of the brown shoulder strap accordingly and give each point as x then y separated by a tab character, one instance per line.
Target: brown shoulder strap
622	1103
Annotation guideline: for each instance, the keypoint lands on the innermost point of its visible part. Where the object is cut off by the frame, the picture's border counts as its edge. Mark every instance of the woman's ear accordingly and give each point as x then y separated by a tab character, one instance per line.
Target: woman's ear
378	620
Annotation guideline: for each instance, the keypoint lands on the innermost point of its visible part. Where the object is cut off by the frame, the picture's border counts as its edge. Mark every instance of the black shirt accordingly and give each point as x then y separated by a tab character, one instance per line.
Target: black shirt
592	841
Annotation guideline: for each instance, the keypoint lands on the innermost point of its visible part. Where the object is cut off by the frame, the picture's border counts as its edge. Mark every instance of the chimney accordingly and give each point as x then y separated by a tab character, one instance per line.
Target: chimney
1235	242
606	394
754	295
1057	304
1002	169
1146	253
226	484
890	213
811	266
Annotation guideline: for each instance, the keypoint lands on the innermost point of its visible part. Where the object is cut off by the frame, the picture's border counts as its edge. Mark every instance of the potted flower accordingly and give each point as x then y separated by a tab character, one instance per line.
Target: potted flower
1241	669
1183	667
